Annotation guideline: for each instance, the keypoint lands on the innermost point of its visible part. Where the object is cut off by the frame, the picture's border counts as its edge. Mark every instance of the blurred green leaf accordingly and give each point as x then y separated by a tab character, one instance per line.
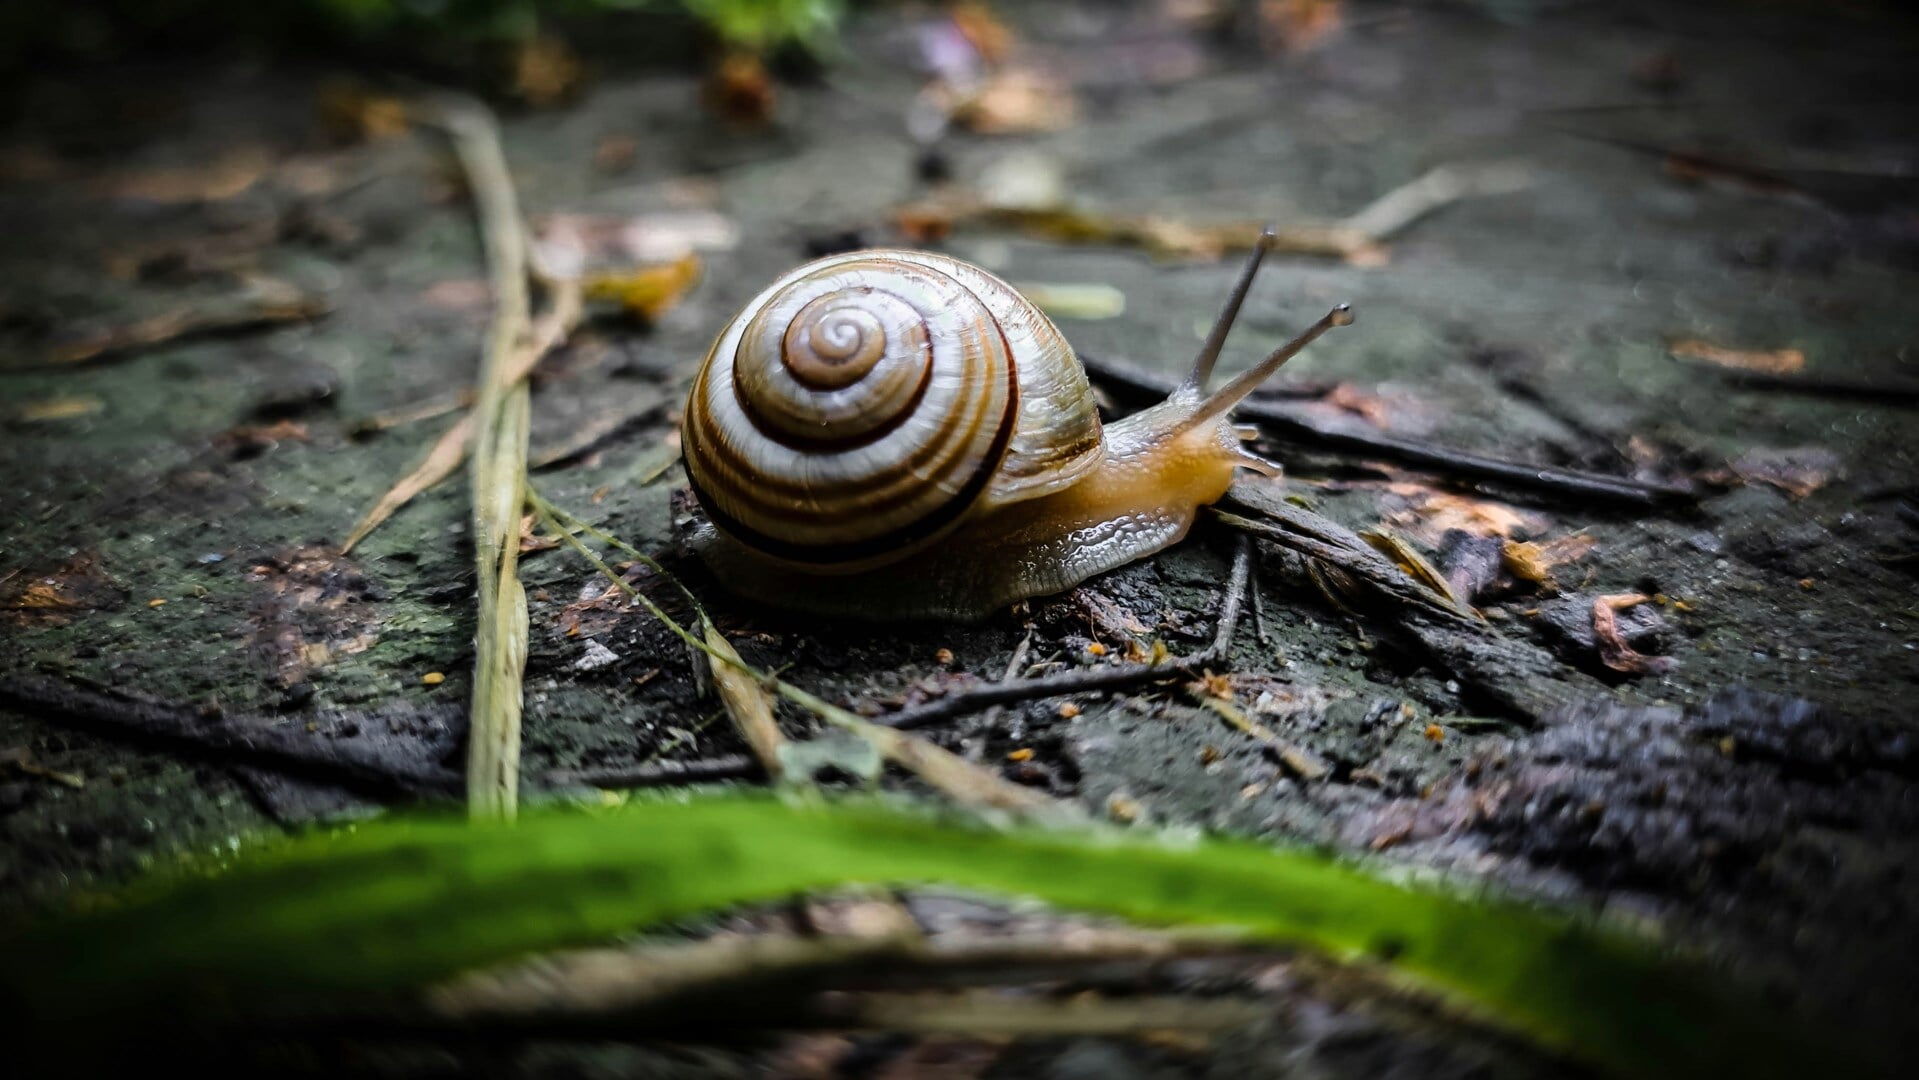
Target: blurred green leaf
398	903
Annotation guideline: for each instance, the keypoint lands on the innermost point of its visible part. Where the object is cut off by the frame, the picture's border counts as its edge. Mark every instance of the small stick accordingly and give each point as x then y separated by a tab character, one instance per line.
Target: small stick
248	740
950	773
499	444
1289	427
1903	394
657	774
746	702
1089	680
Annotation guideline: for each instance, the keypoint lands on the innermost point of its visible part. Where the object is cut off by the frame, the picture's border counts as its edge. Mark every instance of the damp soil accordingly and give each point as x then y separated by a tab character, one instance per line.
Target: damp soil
175	510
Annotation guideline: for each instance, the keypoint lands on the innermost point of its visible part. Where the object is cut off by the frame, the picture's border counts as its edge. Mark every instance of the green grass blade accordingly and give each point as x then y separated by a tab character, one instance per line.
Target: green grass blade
398	903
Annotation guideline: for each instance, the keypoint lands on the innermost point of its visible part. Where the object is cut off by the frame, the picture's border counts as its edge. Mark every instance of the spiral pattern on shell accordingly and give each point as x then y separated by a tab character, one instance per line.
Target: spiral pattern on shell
854	411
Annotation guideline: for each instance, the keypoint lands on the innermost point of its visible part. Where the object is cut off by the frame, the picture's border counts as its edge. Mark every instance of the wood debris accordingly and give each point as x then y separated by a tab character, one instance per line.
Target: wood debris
740	91
646	294
1764	361
262	302
1298	26
21	759
50	596
1797	471
1534	562
232	173
1430	513
546	71
351	112
1614	652
55	409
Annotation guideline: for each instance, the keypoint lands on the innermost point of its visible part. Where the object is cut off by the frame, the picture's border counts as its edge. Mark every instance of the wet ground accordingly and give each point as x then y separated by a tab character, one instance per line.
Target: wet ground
175	509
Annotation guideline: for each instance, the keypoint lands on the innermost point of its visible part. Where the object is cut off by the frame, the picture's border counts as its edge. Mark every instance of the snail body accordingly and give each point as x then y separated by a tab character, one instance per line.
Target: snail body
898	434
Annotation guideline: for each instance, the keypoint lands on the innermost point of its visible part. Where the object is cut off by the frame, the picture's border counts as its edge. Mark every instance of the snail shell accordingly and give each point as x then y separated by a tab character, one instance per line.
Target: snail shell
892	434
861	407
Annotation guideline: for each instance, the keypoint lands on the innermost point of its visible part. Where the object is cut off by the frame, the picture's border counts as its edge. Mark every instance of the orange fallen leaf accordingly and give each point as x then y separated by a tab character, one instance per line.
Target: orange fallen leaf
47	595
1613	650
1764	361
546	71
1296	26
740	91
351	113
1219	687
649	293
982	29
1433	513
1534	562
531	541
230	174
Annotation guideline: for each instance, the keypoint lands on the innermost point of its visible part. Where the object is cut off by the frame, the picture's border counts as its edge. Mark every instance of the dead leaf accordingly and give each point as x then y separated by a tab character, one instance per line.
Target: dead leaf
1613	650
990	38
646	294
232	173
1296	26
1765	361
1217	687
1797	471
263	302
531	541
741	91
1534	562
48	596
71	407
1012	101
546	71
352	113
1414	565
1432	513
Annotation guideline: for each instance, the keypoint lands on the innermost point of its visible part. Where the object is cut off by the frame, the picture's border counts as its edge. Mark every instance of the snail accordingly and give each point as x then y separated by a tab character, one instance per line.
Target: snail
899	434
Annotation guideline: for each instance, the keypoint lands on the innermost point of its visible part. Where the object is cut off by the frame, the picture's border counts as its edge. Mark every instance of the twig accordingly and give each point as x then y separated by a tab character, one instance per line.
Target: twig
638	981
1090	680
1401	207
1286	426
657	774
263	303
1521	678
250	740
1903	394
500	413
951	774
746	702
